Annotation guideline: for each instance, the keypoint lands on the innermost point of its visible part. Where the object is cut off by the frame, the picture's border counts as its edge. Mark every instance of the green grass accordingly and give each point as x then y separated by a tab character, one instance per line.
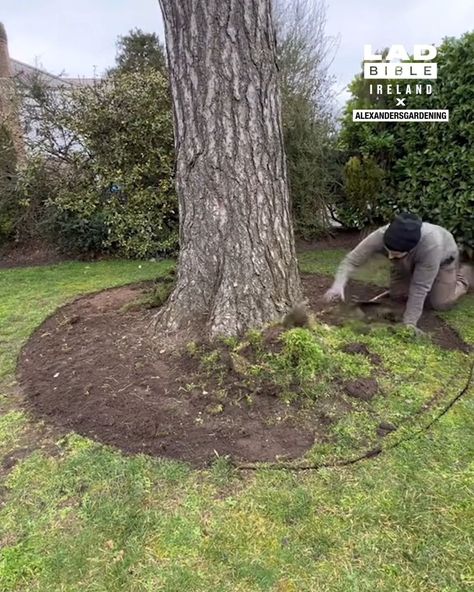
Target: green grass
76	516
311	367
28	295
375	271
461	317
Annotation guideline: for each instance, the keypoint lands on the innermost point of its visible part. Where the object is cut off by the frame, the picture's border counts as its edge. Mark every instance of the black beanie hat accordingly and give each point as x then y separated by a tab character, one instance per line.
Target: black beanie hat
404	233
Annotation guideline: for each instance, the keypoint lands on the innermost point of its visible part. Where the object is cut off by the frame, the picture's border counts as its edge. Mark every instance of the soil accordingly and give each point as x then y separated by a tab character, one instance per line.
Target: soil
28	255
338	239
41	253
384	428
362	388
93	368
361	348
38	254
387	312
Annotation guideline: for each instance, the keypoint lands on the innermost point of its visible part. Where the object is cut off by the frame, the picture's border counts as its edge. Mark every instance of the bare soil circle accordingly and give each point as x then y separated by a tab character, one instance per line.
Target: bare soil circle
94	368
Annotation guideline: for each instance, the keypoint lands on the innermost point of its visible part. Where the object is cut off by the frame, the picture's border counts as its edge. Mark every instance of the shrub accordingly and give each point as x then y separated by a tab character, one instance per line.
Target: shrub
125	124
105	158
364	182
304	54
76	235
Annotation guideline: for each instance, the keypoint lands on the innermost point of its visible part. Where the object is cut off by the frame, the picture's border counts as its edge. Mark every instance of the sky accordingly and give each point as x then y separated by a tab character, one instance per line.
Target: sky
79	38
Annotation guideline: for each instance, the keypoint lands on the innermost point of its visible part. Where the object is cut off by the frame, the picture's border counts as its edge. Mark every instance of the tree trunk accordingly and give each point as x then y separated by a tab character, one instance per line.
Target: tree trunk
237	266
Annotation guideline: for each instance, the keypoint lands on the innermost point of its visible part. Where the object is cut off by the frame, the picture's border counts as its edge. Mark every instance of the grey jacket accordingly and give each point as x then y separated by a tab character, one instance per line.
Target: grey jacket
436	246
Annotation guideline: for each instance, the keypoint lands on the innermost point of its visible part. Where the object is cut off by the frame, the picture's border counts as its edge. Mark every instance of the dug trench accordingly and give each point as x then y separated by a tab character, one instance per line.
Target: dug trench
93	368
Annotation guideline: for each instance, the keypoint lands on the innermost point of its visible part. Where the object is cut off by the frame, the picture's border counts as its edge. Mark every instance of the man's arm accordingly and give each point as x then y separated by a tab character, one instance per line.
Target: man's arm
421	283
365	249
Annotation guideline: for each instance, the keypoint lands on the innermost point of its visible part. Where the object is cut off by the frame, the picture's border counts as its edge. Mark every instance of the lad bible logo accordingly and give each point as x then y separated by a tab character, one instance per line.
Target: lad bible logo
397	65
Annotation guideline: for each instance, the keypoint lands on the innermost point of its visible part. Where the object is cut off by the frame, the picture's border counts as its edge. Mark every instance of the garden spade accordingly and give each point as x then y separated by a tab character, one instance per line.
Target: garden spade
374	309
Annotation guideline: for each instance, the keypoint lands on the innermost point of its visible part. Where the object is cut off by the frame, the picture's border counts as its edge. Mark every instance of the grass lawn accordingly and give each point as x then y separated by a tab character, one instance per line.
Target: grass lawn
76	516
376	271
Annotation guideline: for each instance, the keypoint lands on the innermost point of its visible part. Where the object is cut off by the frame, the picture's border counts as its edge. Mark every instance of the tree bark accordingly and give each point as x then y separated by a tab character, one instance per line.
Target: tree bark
237	266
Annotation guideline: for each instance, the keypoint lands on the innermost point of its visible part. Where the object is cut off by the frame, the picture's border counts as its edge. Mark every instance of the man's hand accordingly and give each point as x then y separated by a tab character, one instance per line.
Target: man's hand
335	293
416	331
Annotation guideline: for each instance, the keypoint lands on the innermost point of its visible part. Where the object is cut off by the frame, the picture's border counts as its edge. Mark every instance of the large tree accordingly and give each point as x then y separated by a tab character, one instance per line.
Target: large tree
237	265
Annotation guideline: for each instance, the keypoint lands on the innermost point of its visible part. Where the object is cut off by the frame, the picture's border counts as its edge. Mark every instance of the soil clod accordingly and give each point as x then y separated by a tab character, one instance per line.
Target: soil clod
385	428
364	389
297	317
361	348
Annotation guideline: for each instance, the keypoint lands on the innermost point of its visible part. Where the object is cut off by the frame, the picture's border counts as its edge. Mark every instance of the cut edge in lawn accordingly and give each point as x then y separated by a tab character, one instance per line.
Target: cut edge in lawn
93	368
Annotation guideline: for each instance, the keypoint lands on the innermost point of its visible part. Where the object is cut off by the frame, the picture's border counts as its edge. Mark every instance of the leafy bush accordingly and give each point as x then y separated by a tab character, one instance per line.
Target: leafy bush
110	164
76	235
363	186
304	54
125	123
427	166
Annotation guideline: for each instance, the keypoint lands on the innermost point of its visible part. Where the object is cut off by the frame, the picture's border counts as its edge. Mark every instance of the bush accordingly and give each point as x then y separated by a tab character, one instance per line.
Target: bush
76	235
304	54
38	183
364	182
125	124
103	160
311	168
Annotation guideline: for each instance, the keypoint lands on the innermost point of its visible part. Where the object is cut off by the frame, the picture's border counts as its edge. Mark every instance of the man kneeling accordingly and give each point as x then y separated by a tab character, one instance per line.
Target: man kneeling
425	263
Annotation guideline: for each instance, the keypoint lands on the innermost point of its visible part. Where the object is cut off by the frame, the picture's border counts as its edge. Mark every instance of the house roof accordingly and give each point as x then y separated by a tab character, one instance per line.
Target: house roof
25	72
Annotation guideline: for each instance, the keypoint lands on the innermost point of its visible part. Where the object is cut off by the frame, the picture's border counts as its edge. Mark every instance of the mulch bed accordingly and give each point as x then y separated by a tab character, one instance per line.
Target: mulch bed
94	368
